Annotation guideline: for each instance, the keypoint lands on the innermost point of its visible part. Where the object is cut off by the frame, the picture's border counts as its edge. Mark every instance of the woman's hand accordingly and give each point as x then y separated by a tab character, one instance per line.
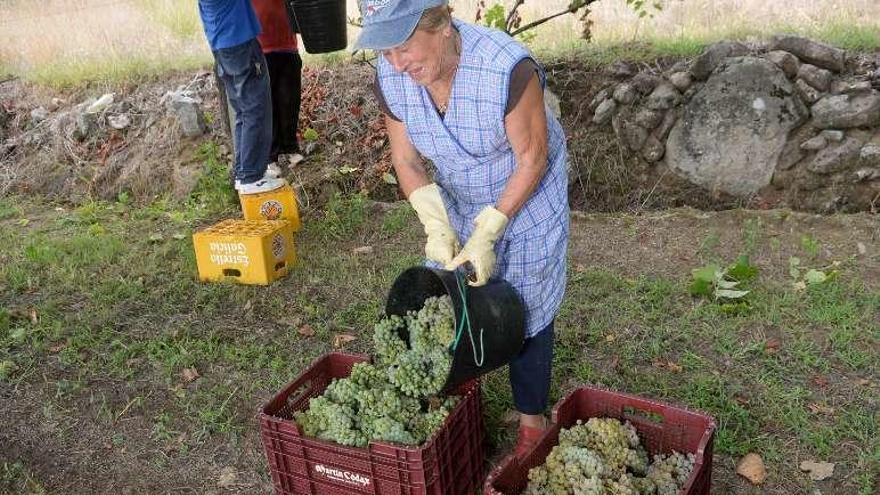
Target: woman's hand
442	243
479	250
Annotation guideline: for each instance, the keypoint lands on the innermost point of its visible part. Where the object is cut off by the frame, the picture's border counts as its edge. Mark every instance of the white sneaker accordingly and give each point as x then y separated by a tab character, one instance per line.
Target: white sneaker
265	184
273	171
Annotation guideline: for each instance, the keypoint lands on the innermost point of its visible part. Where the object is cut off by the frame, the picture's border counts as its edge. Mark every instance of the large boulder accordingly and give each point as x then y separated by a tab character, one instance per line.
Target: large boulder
735	126
819	54
848	110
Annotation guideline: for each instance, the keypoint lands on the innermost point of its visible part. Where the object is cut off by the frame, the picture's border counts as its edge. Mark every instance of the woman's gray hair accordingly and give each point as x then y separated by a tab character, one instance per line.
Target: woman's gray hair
435	18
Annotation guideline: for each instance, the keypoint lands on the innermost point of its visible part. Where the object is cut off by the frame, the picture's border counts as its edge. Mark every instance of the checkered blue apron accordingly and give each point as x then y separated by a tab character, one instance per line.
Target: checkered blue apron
473	161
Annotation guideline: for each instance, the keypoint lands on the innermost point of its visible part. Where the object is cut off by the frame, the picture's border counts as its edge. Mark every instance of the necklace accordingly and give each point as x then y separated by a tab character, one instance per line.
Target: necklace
441	107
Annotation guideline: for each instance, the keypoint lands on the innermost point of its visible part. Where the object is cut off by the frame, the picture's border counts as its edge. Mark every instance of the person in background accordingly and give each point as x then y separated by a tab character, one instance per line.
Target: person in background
231	27
279	45
470	99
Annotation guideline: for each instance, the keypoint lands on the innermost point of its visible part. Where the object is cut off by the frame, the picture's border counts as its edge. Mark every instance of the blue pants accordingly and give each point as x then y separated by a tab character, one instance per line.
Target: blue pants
242	68
530	373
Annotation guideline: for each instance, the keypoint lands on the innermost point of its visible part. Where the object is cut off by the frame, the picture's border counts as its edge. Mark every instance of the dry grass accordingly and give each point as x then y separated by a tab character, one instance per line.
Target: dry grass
64	42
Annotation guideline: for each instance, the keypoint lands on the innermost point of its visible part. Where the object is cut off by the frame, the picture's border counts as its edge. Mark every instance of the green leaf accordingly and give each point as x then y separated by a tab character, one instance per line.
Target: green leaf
730	294
310	135
814	277
706	273
389	178
701	288
742	270
726	284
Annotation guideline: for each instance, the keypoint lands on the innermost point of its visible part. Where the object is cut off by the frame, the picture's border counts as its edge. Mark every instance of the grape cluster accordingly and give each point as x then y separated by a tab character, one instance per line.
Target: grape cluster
603	456
394	399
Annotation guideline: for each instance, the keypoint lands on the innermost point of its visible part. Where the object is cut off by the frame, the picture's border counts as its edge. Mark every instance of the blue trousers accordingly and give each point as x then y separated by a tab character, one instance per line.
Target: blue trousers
242	68
530	373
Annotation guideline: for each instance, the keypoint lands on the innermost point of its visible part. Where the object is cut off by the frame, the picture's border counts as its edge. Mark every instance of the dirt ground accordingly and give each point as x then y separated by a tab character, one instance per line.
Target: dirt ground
71	451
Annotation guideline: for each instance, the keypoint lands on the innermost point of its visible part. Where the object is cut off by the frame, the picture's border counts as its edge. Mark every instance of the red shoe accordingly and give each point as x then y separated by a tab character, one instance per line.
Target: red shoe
526	440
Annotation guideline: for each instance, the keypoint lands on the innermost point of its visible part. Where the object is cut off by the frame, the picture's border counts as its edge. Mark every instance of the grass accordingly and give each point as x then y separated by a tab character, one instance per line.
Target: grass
100	313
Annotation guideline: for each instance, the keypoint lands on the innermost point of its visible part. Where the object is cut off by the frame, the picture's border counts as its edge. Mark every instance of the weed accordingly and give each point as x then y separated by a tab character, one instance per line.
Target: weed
214	192
341	217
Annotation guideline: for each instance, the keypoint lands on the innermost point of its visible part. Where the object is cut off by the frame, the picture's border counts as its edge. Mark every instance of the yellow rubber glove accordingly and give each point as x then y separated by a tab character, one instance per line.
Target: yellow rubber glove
479	250
442	243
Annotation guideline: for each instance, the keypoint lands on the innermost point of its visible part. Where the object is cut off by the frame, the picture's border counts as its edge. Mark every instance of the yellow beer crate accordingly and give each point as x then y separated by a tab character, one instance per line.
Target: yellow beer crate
278	204
246	251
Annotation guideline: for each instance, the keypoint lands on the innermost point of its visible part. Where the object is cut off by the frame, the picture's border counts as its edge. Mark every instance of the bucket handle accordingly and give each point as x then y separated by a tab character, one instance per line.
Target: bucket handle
466	320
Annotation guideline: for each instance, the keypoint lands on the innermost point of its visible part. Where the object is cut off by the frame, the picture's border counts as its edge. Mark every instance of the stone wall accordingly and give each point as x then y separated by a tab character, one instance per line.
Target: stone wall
793	122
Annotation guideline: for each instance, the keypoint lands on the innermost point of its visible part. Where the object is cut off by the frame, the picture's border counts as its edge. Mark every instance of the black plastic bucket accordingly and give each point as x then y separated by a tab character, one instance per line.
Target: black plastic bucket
320	23
495	311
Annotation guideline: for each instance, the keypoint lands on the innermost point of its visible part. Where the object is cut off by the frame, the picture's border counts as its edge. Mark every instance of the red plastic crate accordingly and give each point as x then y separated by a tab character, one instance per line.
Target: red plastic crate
661	427
450	463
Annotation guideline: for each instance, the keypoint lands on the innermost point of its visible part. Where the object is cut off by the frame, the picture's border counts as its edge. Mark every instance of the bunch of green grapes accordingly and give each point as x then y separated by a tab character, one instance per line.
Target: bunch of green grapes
424	425
342	391
389	429
669	472
420	375
433	326
389	400
387	339
604	457
327	420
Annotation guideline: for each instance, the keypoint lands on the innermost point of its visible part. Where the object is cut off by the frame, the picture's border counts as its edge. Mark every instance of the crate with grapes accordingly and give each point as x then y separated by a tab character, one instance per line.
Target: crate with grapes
354	425
607	443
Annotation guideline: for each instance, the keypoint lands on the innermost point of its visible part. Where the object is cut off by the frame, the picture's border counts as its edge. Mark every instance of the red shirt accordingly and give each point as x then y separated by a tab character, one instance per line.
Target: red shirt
276	35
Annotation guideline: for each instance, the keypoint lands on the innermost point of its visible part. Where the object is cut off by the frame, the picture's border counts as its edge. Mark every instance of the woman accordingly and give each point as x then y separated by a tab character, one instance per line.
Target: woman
470	99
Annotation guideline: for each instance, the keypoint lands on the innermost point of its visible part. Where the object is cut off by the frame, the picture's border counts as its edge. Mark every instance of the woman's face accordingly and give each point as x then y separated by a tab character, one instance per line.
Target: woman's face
420	56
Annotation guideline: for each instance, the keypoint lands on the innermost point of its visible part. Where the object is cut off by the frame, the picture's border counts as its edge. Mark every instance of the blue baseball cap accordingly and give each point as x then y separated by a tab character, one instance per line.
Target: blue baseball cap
388	23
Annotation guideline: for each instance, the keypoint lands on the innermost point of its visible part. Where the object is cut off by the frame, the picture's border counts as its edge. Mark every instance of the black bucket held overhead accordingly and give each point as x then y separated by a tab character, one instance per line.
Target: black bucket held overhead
320	23
496	329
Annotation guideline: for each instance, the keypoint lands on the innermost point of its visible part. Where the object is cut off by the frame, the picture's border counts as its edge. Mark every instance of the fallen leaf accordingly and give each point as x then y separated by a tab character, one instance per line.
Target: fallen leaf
820	409
820	381
189	375
818	470
227	477
363	250
741	399
861	247
306	330
610	338
751	467
54	349
615	361
247	305
340	339
864	382
33	315
772	346
23	222
580	268
179	237
668	365
156	237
